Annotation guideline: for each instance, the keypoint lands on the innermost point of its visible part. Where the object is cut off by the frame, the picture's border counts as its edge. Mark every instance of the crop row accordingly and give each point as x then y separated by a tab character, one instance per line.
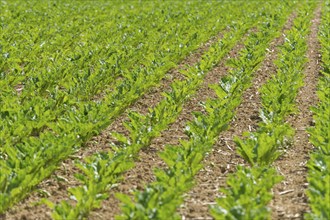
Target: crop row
101	171
249	188
161	198
101	52
319	163
47	121
60	100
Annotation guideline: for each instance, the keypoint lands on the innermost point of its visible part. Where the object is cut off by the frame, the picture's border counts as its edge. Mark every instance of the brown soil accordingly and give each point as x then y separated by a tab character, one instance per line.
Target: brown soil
223	159
290	200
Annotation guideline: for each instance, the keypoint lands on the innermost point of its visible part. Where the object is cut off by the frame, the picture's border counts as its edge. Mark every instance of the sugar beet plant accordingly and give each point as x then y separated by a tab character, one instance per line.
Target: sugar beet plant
161	198
319	163
248	199
43	119
142	129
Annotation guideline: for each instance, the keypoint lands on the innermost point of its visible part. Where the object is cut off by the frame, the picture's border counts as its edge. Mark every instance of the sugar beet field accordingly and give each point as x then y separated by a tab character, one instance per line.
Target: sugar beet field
164	109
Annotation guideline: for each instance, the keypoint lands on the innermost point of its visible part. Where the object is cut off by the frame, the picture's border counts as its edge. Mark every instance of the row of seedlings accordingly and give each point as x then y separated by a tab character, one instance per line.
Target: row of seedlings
39	133
249	189
103	170
319	163
161	198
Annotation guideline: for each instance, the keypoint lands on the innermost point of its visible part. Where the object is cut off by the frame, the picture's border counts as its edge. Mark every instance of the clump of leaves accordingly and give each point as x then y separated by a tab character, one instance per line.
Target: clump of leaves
247	195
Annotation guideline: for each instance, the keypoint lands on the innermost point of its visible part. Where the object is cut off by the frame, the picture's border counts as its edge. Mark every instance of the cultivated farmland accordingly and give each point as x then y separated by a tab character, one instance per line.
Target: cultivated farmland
164	109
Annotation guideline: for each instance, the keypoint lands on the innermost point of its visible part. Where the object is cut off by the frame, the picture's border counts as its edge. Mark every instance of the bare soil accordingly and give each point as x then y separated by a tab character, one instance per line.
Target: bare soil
290	200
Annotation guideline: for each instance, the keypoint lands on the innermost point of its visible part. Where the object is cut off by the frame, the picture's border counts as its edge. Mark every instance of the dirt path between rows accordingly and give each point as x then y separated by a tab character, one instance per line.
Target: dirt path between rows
223	159
290	200
55	188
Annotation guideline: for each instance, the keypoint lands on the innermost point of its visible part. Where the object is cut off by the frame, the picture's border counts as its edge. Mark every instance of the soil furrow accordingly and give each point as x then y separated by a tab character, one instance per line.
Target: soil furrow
290	201
55	188
142	173
223	159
